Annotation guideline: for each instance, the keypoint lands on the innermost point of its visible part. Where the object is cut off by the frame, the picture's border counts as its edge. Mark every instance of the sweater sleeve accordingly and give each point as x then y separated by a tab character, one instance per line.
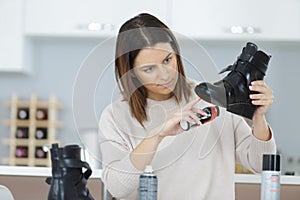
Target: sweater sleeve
249	150
119	175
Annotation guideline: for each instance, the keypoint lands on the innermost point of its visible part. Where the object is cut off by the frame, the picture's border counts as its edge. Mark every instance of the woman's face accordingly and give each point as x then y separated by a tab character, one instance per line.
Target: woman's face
156	69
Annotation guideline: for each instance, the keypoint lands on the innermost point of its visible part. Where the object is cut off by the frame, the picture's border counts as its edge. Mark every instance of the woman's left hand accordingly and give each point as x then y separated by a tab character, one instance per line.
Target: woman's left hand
264	99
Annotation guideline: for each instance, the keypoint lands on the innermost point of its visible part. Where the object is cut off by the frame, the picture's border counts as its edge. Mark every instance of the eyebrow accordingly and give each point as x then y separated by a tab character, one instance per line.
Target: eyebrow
151	65
169	55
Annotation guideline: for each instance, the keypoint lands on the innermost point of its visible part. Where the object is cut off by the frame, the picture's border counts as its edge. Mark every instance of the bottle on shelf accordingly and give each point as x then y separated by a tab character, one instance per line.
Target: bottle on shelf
23	113
40	153
41	114
22	133
41	133
21	152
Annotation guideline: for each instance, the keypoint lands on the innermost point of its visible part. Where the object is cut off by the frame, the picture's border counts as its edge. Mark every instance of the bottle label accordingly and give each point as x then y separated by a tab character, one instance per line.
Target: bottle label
270	185
148	187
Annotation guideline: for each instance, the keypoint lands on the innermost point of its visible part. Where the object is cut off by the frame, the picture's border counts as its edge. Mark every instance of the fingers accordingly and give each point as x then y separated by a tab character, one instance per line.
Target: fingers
194	117
262	102
171	126
258	82
259	86
189	113
192	103
200	111
264	92
264	99
191	117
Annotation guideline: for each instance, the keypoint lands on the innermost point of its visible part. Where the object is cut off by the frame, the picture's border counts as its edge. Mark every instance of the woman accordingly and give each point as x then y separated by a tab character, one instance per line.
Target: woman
143	127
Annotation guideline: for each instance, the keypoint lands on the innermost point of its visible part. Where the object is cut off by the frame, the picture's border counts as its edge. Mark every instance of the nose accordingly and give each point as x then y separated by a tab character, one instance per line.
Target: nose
164	72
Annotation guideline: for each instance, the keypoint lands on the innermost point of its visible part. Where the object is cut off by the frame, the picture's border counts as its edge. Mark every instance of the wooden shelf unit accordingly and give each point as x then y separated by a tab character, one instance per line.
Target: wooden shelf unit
33	127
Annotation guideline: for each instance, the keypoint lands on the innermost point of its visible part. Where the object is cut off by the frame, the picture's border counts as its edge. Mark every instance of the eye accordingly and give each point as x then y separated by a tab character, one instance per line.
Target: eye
148	69
167	60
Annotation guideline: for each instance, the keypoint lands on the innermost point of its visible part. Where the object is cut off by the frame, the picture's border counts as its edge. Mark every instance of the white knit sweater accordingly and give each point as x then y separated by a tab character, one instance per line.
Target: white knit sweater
197	164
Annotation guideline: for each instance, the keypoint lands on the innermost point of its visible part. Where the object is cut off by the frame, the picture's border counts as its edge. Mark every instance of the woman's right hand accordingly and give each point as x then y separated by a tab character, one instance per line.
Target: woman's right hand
171	126
143	154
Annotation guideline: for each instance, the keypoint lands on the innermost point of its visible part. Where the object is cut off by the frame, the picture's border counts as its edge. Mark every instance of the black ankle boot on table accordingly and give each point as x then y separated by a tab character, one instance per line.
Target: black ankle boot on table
232	92
67	181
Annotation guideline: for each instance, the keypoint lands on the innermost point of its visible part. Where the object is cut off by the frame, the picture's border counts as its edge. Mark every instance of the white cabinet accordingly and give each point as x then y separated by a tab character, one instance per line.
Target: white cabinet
237	19
11	40
214	19
85	17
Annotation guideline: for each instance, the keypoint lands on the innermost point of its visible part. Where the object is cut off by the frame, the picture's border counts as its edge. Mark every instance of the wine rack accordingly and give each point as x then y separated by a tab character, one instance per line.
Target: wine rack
33	126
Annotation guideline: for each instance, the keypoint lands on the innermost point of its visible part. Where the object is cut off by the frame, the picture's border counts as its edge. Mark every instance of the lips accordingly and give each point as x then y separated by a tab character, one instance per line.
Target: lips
166	84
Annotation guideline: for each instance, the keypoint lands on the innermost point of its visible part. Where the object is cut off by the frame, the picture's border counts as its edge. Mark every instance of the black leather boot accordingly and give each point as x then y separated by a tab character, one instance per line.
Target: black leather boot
67	181
232	92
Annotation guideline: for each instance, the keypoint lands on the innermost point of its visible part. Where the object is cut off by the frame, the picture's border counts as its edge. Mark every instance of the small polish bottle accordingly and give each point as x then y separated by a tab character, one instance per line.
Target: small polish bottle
270	177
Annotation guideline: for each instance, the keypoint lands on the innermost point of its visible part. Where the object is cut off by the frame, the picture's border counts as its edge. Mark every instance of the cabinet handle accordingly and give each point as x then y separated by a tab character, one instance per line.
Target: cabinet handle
237	29
95	26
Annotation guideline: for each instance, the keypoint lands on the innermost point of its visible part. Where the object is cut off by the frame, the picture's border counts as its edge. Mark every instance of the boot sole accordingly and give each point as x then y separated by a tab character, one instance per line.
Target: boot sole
243	109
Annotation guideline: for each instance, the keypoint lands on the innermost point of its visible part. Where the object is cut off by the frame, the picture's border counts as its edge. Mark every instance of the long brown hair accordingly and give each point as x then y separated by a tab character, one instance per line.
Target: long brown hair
140	32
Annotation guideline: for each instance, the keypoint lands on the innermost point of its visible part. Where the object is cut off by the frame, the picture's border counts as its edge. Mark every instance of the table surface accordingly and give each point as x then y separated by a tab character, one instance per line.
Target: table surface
35	171
46	171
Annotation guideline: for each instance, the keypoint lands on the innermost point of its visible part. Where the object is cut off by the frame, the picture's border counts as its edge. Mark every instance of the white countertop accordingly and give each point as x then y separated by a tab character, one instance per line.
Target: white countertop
252	178
35	171
46	171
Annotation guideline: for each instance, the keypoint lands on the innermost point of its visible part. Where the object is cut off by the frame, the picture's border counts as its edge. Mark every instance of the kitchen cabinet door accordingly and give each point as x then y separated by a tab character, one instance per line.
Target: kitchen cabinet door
124	10
238	19
84	17
65	18
11	40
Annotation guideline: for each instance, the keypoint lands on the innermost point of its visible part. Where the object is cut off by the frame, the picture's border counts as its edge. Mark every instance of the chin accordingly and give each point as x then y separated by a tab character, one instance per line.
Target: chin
168	93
